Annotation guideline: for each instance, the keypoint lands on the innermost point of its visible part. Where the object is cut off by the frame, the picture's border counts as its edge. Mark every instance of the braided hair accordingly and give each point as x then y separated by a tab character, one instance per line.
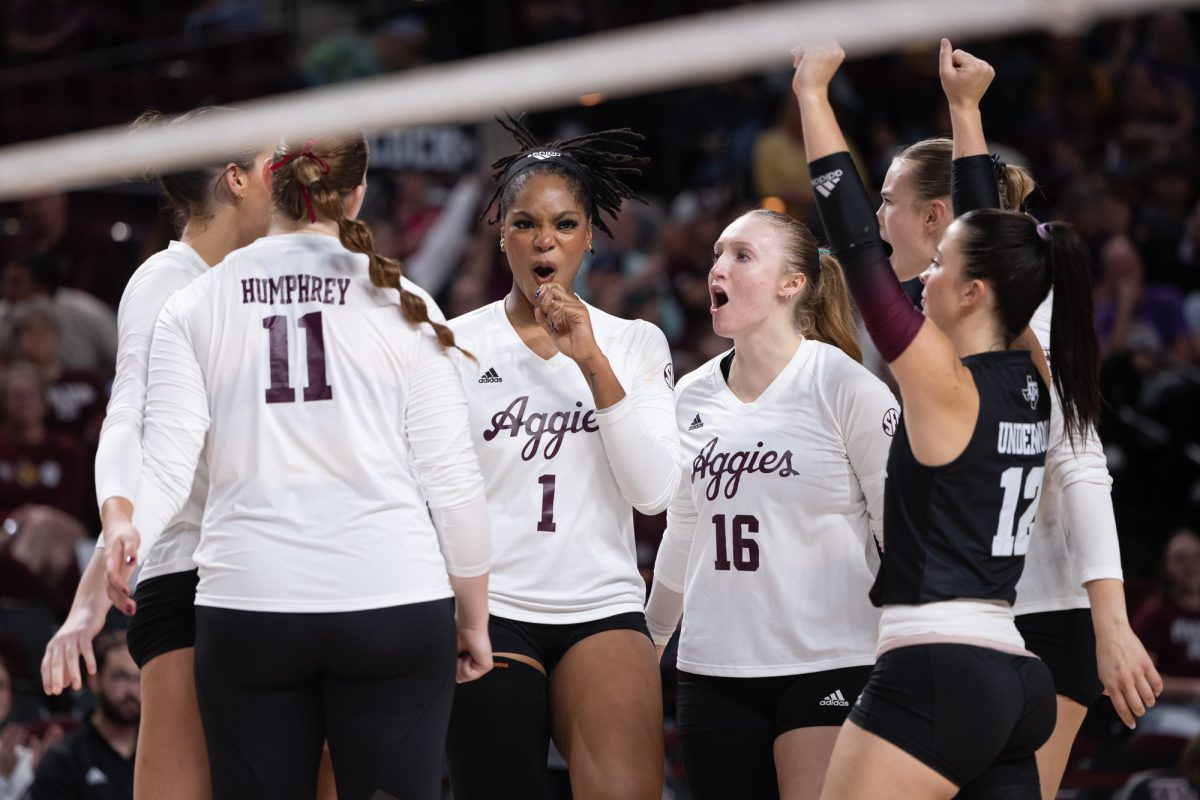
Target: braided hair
311	181
595	166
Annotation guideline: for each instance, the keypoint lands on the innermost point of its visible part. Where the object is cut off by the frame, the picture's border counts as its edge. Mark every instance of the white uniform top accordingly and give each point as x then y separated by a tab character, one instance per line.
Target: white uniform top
119	454
1075	534
562	478
313	396
777	517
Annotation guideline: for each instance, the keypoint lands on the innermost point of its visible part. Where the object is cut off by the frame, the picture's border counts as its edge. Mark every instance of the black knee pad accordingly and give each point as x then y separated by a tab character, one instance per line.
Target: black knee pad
499	734
1013	781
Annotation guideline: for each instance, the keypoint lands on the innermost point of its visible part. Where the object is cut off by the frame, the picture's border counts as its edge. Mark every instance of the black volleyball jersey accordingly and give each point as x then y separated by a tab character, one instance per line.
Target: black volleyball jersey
961	530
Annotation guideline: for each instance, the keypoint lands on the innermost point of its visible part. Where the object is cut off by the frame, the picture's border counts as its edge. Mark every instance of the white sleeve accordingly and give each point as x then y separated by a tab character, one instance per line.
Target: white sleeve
437	427
176	424
868	414
639	433
665	606
119	454
1080	472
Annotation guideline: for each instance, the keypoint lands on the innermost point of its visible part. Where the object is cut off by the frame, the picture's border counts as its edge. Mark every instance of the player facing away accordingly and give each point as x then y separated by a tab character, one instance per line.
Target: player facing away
329	412
955	701
222	206
770	545
573	422
1070	599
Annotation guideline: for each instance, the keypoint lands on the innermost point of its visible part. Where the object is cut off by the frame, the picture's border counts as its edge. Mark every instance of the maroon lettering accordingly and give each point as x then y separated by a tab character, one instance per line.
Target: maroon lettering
343	284
247	290
289	288
329	283
728	468
548	427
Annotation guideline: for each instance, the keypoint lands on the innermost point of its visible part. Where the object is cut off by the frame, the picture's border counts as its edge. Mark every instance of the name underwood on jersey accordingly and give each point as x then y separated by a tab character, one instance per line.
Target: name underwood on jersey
288	289
538	425
719	466
1022	438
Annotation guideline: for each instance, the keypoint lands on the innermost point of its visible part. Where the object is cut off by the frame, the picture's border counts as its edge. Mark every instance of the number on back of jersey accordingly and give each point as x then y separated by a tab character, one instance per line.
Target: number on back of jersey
1019	487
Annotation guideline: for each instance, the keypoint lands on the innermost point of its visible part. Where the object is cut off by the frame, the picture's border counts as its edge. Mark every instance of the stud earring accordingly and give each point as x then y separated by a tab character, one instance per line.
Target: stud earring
502	245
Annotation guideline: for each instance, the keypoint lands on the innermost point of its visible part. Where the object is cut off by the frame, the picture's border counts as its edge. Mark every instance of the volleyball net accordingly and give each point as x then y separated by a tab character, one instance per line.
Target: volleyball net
698	49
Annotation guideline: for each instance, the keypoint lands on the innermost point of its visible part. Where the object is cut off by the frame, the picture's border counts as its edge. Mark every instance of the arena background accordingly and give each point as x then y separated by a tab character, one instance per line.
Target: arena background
1099	99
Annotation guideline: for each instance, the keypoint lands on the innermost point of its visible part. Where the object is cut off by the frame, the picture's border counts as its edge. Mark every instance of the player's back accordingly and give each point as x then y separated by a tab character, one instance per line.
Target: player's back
308	368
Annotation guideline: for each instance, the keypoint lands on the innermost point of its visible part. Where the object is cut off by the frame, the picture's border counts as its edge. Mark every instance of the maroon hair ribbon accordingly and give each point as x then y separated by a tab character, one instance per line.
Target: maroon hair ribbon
305	152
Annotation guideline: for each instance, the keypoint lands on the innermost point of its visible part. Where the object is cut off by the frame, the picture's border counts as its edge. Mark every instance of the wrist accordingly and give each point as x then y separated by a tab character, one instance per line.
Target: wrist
593	361
810	94
965	107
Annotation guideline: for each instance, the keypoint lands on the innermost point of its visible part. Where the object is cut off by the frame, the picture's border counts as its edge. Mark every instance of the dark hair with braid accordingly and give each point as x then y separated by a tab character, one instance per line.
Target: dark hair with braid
312	180
594	165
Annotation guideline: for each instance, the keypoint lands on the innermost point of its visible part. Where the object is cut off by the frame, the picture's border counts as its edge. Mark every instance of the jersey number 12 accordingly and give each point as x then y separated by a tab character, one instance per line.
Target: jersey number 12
1010	541
280	390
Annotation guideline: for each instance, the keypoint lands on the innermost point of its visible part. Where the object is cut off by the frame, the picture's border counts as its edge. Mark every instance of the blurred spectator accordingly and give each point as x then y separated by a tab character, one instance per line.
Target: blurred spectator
398	45
96	762
88	326
37	465
17	762
1167	784
1132	316
1169	627
75	397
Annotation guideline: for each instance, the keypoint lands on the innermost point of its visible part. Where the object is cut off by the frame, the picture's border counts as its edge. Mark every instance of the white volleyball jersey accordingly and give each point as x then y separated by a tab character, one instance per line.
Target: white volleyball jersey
784	500
316	401
119	454
1053	575
562	529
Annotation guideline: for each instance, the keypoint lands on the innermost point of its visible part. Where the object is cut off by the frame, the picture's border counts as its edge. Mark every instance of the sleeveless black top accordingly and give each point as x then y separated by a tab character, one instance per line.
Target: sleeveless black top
961	530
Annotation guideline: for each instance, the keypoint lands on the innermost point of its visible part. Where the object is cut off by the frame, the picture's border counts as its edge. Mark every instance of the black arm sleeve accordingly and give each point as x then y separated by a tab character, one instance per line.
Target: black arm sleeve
842	201
973	184
853	234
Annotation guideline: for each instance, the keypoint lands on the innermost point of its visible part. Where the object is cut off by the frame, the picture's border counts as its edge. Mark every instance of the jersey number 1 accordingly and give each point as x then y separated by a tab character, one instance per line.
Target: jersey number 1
280	390
1009	541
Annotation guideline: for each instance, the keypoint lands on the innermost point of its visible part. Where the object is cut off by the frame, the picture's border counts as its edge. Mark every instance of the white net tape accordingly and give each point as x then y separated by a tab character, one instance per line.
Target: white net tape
691	50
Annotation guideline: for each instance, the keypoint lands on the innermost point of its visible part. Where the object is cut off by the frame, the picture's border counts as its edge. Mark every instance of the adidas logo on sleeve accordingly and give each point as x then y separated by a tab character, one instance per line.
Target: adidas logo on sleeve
836	699
696	423
825	183
490	377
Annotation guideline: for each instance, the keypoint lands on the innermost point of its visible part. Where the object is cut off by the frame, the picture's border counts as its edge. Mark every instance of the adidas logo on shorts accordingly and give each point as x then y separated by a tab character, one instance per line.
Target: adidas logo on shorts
696	423
825	183
490	377
836	699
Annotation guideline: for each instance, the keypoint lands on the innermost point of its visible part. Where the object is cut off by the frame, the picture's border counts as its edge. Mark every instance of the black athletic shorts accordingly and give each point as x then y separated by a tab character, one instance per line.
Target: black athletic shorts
960	709
548	643
166	616
1066	641
707	703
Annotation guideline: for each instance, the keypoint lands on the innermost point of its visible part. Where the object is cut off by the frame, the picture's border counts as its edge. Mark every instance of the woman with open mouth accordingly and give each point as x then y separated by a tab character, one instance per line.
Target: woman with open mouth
771	539
573	421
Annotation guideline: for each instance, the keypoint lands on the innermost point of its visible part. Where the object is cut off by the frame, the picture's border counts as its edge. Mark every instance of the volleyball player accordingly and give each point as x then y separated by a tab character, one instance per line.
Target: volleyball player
785	441
1070	600
573	422
955	701
328	412
222	206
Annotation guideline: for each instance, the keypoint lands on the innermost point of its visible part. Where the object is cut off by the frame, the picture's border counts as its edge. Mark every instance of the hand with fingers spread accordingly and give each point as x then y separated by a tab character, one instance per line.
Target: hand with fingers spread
60	664
965	78
815	64
1127	672
121	543
566	319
